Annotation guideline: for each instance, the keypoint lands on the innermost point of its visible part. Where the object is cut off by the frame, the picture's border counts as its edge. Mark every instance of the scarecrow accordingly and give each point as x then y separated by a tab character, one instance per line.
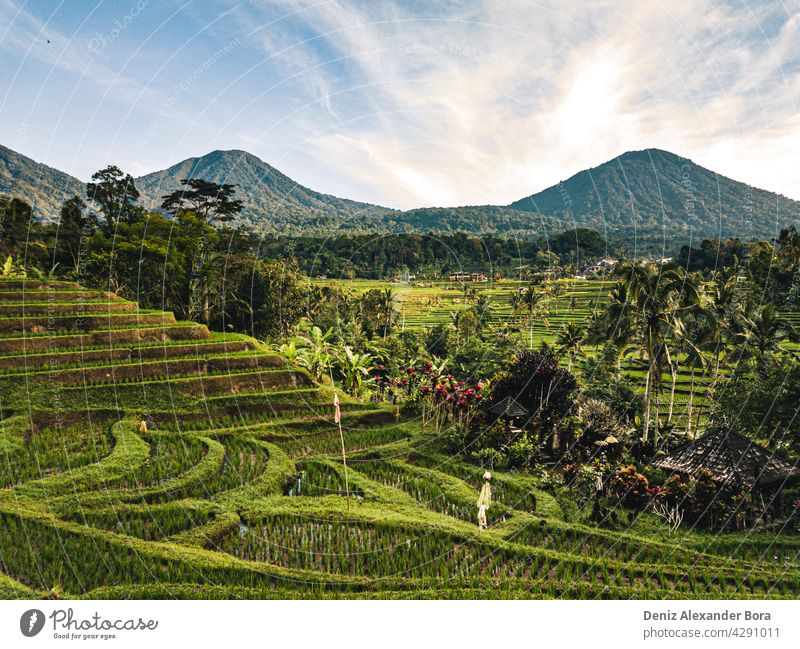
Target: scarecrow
484	500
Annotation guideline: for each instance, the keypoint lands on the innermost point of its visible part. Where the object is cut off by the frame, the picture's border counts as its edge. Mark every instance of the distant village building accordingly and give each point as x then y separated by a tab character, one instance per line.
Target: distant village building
601	267
405	277
468	277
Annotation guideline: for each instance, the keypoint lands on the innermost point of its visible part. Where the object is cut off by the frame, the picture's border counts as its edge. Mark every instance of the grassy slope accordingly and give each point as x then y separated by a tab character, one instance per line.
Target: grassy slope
198	507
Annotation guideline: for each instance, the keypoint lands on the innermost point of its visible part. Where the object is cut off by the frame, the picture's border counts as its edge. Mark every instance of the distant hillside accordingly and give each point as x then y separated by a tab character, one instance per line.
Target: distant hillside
643	199
43	187
652	193
273	201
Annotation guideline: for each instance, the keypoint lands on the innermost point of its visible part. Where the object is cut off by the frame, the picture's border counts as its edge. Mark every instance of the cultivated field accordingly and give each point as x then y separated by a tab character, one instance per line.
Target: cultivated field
238	489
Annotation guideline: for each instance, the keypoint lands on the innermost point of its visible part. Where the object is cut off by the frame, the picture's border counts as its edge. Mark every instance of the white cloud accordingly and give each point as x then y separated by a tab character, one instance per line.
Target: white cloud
488	102
419	103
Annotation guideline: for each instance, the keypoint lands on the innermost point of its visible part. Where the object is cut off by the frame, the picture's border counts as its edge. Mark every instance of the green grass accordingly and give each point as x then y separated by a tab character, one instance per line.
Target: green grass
207	505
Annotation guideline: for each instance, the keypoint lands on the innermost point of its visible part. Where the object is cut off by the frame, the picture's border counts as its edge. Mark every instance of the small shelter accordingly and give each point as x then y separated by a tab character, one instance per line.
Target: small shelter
731	458
509	408
734	460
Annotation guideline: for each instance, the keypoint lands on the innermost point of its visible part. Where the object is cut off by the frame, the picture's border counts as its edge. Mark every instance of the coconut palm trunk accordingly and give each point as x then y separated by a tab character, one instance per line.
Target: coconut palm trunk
690	404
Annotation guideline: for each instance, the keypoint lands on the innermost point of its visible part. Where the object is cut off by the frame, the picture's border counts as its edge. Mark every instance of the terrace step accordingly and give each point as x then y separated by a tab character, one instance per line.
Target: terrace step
172	368
125	353
38	285
44	324
258	381
42	342
63	296
64	309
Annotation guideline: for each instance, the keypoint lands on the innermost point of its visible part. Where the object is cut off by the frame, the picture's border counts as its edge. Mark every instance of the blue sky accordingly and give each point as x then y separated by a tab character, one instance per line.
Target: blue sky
405	104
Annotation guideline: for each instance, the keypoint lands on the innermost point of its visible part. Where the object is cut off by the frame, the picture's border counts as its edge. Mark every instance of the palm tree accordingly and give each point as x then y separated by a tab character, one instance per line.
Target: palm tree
694	360
387	309
659	298
720	316
569	341
483	311
685	341
614	325
763	332
533	301
789	246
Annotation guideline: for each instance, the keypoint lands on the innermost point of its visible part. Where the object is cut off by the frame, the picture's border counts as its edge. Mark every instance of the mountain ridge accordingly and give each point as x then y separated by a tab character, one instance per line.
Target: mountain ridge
650	197
45	188
657	189
265	190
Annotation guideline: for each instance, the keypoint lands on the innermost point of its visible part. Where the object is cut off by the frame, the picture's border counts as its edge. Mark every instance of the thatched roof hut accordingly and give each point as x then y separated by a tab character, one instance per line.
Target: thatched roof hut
731	458
509	408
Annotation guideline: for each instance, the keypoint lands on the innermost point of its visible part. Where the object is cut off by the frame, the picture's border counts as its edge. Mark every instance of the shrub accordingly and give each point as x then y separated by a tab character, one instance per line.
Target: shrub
630	487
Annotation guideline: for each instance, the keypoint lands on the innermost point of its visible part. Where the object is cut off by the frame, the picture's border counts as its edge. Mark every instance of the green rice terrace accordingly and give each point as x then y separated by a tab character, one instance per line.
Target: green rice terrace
572	302
236	489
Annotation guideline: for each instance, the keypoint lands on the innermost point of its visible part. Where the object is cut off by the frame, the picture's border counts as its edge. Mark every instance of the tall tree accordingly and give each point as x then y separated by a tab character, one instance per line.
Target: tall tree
659	298
115	193
614	325
202	204
387	306
570	341
20	234
762	336
72	233
537	381
789	246
531	298
721	314
210	201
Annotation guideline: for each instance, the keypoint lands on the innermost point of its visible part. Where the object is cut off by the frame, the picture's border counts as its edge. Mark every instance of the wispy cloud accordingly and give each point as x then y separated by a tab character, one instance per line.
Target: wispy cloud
487	102
410	103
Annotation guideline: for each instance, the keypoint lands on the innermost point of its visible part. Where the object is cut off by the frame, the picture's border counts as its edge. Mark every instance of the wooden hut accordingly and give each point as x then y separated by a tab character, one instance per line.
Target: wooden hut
509	408
736	461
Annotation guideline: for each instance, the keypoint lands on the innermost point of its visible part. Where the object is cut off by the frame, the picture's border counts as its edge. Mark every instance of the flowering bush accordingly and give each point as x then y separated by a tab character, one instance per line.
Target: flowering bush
674	492
700	499
442	398
630	486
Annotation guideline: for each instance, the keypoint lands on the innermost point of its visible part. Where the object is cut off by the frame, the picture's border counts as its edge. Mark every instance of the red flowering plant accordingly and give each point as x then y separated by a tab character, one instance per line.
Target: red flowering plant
570	474
674	492
630	487
454	402
441	398
379	375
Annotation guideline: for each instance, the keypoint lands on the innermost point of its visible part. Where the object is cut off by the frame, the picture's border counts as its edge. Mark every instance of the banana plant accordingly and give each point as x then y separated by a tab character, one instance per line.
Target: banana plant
290	352
315	354
12	269
354	368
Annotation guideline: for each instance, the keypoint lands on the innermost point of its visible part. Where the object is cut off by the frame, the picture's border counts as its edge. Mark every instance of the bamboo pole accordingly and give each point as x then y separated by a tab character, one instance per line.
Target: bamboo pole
338	418
344	463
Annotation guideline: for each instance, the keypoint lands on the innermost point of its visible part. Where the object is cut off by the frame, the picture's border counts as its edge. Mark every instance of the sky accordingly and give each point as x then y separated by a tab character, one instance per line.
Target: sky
405	104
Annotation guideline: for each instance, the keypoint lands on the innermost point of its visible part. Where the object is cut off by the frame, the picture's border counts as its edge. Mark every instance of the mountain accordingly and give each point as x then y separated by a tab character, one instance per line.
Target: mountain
654	194
273	202
43	187
645	200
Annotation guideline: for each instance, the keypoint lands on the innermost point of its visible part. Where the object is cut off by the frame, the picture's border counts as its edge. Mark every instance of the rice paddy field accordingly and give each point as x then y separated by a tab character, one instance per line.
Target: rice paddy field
573	301
237	489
